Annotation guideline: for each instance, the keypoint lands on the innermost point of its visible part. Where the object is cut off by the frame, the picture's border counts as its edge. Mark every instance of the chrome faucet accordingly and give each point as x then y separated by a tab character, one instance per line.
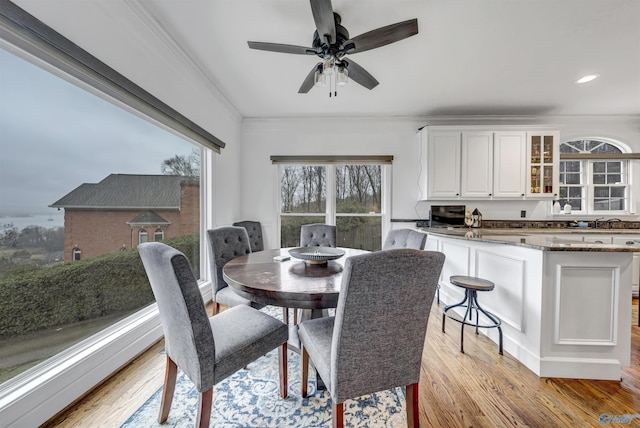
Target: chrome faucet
597	222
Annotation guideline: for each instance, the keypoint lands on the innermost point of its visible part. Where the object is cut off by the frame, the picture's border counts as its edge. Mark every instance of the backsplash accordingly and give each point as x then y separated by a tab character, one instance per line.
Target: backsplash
545	224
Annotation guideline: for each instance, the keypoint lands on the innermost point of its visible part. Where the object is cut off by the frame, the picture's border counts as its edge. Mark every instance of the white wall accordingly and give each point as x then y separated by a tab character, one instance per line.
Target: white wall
262	138
333	136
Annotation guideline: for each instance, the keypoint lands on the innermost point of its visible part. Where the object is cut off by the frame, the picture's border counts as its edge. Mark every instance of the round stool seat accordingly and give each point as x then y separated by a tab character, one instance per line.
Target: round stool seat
472	282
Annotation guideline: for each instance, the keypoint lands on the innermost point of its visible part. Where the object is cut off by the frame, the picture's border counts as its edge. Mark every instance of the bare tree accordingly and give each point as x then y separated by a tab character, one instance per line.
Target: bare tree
188	166
289	187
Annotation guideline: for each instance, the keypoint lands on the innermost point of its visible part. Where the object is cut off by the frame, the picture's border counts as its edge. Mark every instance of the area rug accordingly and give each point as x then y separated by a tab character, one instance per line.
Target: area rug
250	399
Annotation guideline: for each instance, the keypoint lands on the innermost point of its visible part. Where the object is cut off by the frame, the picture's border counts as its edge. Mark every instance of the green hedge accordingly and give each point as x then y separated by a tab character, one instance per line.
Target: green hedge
50	297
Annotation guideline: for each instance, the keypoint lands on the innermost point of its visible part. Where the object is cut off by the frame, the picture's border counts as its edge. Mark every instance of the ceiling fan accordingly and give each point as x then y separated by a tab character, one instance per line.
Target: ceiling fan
332	43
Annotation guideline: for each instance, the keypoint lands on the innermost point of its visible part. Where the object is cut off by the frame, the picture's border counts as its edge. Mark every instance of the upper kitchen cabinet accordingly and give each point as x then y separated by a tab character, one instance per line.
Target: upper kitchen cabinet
543	155
477	164
509	164
443	151
501	162
458	164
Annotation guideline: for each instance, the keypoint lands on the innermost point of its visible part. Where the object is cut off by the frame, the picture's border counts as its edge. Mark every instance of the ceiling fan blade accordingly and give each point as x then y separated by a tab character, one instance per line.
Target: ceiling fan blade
277	47
383	36
309	81
360	75
323	17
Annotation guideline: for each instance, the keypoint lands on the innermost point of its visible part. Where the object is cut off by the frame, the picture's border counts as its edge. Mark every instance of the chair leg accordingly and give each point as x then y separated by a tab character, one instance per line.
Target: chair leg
295	316
170	375
305	372
338	415
413	417
285	315
282	363
204	409
216	308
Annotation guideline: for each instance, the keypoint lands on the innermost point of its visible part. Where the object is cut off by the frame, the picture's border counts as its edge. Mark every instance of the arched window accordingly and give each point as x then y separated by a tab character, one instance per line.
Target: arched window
142	236
594	176
76	254
158	235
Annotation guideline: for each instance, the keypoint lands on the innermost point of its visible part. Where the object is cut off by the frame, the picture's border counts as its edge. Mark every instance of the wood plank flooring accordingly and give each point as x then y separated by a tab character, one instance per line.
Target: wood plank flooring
476	389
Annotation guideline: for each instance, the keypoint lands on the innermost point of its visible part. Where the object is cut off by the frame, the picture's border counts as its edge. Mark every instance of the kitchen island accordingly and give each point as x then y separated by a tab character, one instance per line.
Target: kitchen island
564	301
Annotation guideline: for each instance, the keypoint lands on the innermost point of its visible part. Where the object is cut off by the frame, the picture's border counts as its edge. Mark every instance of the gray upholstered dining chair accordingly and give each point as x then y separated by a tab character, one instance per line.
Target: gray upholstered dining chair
254	230
376	339
206	349
405	238
226	243
317	235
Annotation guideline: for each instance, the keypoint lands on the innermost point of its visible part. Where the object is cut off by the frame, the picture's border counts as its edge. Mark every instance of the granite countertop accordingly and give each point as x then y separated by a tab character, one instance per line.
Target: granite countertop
543	239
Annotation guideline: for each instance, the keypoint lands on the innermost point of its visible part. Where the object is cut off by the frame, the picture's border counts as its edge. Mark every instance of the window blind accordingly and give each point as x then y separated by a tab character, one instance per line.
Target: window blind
328	159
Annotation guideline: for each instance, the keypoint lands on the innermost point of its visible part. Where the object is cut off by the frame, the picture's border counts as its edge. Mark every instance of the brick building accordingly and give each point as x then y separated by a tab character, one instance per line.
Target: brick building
125	209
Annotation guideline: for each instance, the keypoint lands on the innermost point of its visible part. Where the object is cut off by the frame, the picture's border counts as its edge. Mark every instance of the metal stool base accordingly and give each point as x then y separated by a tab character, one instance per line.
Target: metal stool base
470	302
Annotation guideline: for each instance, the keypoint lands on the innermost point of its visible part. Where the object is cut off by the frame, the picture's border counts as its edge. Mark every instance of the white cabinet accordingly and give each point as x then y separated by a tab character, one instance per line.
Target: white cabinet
509	164
488	162
443	164
477	164
543	157
632	240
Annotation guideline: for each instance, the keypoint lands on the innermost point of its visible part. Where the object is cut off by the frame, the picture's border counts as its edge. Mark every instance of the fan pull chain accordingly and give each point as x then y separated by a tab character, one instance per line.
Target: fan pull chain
333	82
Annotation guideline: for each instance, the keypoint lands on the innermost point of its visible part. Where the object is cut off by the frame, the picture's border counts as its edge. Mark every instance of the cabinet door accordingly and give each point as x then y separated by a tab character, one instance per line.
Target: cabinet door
509	164
443	164
477	165
543	167
632	240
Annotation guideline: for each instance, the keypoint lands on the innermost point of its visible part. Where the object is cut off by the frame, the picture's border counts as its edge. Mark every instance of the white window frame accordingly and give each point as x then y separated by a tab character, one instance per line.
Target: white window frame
34	396
588	186
330	211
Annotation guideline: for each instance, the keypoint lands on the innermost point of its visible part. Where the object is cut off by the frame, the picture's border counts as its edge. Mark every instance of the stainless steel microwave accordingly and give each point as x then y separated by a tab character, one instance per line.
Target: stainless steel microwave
447	215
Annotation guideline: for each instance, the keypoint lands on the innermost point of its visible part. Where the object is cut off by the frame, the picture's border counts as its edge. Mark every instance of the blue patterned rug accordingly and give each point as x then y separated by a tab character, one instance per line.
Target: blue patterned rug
250	399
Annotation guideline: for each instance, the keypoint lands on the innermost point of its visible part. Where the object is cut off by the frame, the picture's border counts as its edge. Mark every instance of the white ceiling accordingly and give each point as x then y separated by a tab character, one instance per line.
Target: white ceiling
470	57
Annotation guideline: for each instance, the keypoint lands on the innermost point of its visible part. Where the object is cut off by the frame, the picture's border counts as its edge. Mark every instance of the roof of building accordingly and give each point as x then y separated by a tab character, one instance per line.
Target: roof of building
150	218
127	191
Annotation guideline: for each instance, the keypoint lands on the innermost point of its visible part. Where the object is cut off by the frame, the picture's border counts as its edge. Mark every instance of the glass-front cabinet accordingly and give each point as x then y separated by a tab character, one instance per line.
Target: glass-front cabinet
543	164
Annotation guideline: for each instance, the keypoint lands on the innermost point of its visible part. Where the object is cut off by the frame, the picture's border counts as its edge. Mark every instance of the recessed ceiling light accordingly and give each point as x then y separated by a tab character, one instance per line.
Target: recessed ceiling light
586	79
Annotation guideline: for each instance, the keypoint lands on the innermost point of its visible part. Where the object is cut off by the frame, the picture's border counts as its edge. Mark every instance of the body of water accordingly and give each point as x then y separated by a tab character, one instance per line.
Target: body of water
44	220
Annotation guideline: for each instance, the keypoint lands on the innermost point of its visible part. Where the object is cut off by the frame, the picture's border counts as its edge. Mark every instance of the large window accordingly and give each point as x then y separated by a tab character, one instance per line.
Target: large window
594	177
56	142
56	138
349	196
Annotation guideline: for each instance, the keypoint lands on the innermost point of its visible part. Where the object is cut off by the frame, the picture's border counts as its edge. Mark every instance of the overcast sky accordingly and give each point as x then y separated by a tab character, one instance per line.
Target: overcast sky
55	136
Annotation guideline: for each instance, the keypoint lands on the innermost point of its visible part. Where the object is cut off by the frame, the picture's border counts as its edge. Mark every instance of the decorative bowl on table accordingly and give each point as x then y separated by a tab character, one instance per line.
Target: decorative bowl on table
316	255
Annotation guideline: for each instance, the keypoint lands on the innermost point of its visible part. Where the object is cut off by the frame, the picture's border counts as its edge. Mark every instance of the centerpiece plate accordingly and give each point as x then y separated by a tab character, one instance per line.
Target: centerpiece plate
316	255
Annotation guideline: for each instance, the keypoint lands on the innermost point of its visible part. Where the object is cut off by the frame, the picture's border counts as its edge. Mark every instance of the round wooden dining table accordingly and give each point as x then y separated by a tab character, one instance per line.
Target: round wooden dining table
292	283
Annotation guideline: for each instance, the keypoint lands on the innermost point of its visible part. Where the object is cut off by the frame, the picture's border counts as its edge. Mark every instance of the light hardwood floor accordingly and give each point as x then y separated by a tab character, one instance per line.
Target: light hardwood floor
476	389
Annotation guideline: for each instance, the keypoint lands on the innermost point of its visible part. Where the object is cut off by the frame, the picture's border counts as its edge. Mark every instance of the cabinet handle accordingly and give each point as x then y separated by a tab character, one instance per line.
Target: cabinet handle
599	242
490	194
522	194
629	242
457	194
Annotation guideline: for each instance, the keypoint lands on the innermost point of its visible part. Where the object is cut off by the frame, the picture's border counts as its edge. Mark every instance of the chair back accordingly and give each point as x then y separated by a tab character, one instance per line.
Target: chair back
254	230
317	235
405	238
188	335
225	243
381	320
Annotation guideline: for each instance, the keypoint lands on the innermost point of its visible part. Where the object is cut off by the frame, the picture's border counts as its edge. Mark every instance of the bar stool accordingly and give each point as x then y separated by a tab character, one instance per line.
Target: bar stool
472	285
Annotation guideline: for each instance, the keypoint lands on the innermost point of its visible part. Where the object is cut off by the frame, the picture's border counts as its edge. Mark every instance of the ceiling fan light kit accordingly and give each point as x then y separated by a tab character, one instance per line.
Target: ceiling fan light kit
331	42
